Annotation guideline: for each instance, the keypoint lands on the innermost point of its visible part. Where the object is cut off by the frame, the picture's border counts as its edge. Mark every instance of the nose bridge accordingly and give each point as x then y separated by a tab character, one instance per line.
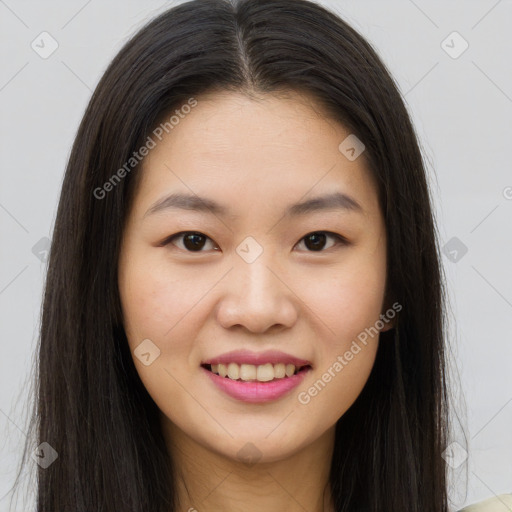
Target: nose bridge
252	269
252	259
256	298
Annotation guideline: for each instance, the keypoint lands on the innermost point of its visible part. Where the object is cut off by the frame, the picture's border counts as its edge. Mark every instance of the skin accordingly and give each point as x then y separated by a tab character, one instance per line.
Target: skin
256	157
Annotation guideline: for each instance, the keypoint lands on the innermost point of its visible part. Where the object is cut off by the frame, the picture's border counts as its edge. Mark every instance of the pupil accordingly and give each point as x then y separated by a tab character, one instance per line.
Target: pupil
193	238
318	240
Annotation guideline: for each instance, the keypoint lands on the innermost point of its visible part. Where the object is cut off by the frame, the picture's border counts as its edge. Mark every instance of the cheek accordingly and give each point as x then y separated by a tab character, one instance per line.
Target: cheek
158	305
346	300
347	345
350	305
154	300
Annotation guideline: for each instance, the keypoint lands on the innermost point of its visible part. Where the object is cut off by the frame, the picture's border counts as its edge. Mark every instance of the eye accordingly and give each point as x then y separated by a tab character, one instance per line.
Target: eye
193	241
316	240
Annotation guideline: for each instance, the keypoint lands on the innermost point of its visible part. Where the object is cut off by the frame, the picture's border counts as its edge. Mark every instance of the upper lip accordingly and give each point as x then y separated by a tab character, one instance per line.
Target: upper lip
256	358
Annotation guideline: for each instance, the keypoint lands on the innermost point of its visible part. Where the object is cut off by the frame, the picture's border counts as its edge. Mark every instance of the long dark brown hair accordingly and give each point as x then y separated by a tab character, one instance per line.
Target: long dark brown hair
91	406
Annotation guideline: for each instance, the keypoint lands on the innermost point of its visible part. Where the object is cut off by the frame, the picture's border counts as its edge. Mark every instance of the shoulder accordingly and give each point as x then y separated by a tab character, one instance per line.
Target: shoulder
501	503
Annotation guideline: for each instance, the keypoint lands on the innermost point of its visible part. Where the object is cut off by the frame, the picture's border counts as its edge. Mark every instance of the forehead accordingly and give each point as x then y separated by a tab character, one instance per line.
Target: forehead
271	147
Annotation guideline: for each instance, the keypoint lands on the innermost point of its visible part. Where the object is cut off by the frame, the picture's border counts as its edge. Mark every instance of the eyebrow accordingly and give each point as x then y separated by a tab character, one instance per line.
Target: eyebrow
333	201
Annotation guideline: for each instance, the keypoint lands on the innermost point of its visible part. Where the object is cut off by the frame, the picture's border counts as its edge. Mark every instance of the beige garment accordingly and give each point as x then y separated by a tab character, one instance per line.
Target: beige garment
501	503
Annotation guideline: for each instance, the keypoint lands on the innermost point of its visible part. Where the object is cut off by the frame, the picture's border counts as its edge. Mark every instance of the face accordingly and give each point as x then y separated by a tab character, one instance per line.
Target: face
244	282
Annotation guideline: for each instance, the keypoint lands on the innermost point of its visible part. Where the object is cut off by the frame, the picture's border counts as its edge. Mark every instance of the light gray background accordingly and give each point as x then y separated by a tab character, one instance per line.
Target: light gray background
461	108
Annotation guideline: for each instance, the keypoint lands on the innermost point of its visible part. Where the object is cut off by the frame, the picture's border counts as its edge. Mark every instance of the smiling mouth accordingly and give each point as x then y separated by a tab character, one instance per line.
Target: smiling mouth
256	373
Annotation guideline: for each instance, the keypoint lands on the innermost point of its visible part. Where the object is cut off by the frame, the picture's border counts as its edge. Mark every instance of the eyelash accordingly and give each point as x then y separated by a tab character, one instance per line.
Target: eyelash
340	240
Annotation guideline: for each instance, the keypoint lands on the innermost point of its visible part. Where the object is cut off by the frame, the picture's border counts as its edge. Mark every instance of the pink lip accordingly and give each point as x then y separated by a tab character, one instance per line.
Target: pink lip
256	358
256	392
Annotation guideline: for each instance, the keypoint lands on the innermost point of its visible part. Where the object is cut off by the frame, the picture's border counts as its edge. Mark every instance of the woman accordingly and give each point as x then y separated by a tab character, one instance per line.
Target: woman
200	348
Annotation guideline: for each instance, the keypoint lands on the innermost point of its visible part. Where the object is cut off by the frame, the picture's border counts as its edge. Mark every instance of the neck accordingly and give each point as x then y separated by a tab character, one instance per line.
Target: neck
208	481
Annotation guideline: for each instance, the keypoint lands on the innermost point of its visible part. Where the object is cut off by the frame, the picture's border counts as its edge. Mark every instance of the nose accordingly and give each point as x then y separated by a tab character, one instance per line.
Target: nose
257	297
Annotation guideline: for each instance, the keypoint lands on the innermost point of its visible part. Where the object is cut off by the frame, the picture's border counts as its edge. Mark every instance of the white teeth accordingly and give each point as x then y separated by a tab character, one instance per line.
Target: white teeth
279	371
265	372
290	369
223	371
249	372
233	371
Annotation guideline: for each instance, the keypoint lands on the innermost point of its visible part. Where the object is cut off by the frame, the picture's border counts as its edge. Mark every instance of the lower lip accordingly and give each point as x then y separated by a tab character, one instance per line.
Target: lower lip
257	392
